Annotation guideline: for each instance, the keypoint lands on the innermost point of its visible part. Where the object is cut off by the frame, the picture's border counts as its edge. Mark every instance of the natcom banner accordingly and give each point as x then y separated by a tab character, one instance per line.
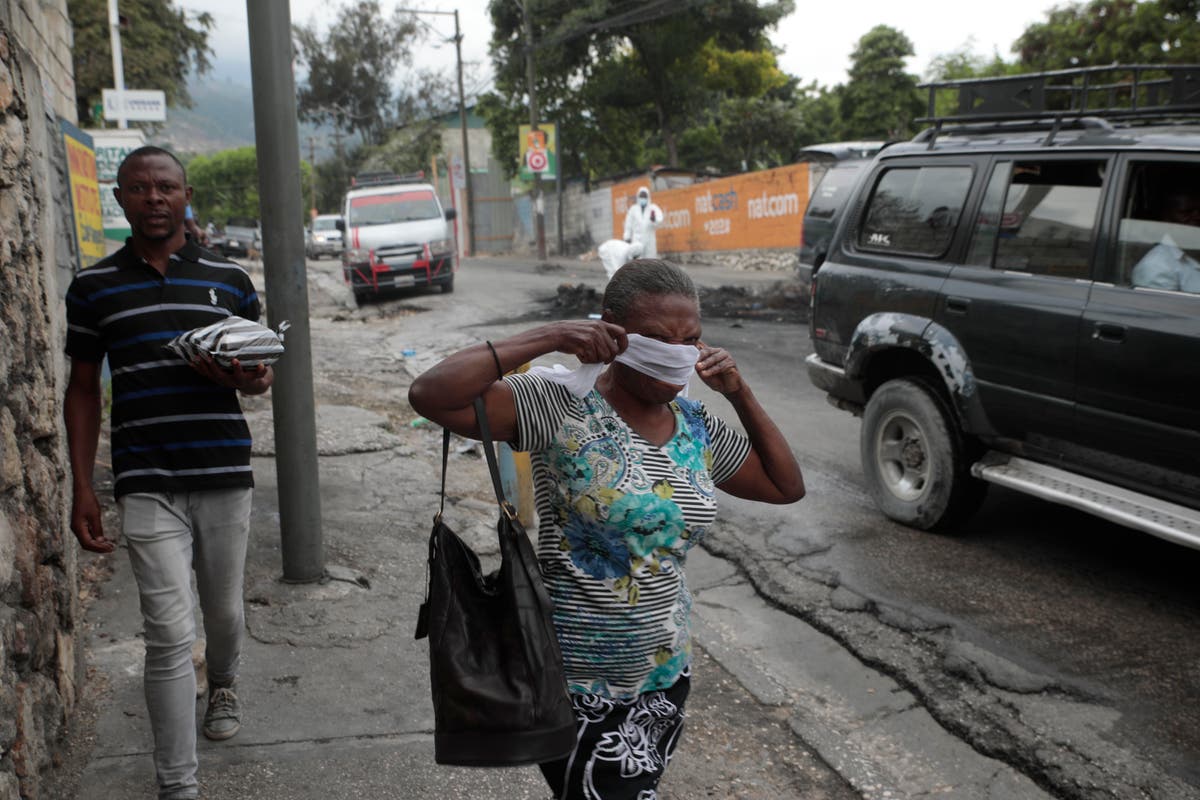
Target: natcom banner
754	211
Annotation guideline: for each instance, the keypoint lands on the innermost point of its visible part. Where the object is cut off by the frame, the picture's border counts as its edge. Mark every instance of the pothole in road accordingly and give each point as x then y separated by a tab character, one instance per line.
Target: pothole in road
381	309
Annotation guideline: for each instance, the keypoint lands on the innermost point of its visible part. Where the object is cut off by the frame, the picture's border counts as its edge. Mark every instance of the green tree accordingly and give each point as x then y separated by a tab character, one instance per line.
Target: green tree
225	184
417	136
759	132
880	100
352	67
160	47
333	176
960	64
1108	31
626	84
819	110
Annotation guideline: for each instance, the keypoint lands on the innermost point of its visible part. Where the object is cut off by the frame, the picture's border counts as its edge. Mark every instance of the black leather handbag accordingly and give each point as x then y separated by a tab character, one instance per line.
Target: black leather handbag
499	695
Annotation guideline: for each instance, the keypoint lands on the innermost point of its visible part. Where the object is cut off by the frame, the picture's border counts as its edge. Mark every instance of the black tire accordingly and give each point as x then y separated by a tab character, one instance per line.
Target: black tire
916	459
360	297
448	286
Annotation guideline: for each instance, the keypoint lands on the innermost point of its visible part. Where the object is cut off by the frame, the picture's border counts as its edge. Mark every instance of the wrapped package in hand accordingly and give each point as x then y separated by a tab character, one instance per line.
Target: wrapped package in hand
231	338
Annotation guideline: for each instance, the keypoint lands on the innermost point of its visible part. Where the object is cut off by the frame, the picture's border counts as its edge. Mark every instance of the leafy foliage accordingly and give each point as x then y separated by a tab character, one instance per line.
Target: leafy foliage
160	46
225	185
881	99
630	85
1107	31
961	64
819	113
351	84
350	69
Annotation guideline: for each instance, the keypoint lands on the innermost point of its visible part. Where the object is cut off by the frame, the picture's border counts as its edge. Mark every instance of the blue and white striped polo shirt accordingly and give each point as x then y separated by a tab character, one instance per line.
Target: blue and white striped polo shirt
172	429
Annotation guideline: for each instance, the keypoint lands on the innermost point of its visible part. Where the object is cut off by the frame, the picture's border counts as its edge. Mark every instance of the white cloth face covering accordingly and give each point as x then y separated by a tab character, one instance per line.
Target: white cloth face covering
670	363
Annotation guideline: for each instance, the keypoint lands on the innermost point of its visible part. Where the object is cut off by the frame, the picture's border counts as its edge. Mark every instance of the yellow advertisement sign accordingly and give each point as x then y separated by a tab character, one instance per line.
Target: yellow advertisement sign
539	151
755	211
85	195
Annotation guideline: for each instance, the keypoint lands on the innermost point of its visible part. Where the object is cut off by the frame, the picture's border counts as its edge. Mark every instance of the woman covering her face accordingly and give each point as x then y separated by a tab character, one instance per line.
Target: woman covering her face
625	470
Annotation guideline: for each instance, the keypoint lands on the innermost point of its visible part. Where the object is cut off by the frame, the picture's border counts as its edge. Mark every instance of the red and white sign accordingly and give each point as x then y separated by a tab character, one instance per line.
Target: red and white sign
537	161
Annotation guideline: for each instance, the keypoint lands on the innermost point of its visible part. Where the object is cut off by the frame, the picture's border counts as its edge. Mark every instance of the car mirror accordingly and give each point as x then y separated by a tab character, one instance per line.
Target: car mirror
340	224
451	213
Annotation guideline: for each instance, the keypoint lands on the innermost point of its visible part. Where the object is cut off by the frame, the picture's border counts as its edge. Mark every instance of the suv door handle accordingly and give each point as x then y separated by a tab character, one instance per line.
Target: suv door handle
1107	332
957	305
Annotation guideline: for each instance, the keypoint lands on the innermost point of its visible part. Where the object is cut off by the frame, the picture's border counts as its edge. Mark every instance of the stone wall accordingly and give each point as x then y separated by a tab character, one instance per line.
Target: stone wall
40	664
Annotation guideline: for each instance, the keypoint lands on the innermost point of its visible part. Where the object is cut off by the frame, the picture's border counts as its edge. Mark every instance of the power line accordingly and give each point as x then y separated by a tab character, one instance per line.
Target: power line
640	13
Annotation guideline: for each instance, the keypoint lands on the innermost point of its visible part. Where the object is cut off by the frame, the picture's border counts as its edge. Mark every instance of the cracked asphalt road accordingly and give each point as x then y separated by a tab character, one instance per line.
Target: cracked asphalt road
1047	639
1051	640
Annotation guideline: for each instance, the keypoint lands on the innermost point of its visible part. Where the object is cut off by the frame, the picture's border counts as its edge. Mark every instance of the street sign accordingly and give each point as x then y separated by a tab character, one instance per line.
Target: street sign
135	105
538	151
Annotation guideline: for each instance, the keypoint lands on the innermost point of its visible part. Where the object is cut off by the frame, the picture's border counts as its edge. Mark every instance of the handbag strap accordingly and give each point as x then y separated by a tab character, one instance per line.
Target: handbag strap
445	462
489	451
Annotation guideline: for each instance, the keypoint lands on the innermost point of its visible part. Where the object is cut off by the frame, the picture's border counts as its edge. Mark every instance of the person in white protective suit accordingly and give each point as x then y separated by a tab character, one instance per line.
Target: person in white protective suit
640	223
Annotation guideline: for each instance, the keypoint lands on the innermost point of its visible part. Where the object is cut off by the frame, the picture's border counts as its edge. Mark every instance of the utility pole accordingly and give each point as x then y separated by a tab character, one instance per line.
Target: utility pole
114	35
539	213
558	193
312	181
462	119
278	145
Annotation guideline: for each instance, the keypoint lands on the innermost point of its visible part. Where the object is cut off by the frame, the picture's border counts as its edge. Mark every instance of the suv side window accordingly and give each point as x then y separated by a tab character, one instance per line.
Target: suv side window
830	193
1039	217
915	210
1158	239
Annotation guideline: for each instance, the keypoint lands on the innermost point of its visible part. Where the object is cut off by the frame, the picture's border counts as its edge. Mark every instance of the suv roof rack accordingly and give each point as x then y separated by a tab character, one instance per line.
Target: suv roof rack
385	178
841	151
1081	98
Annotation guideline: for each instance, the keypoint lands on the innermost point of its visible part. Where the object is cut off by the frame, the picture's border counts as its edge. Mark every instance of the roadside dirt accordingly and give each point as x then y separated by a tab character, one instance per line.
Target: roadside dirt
781	301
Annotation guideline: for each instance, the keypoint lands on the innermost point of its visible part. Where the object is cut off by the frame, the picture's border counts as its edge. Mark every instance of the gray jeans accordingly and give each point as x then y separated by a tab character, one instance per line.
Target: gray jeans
169	535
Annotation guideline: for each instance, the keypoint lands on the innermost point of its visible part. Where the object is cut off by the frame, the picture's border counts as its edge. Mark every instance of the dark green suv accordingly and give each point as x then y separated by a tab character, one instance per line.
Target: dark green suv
1013	297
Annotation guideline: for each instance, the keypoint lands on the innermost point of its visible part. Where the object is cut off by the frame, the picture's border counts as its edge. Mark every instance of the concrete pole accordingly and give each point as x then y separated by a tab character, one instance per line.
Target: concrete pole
558	180
118	59
539	211
462	117
278	144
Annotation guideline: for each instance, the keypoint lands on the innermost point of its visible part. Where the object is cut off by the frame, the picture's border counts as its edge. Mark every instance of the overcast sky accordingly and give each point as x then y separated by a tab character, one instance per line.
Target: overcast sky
816	39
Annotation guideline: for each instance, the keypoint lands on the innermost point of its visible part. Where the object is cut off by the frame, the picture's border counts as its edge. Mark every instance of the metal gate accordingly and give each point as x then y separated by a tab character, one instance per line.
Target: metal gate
494	216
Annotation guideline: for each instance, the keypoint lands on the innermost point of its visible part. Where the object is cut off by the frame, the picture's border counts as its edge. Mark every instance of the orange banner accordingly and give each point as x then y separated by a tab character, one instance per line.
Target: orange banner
754	211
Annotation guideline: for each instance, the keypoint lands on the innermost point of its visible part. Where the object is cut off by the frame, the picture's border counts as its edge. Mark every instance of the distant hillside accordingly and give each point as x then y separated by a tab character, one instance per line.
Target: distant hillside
222	118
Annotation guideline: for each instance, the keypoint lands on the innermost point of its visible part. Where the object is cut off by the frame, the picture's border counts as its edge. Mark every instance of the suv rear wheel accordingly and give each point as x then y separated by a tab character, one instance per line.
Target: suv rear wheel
915	458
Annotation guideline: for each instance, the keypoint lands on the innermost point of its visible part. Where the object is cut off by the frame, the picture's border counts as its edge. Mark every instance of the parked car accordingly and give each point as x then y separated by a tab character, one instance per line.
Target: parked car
242	237
322	237
1011	298
836	167
396	235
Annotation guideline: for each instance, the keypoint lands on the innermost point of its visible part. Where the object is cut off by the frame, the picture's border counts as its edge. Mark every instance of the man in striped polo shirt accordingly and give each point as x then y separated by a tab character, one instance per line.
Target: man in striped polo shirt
180	450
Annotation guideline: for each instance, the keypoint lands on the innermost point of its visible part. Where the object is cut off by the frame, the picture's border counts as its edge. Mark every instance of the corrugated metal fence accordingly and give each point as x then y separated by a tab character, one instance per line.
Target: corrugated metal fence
495	217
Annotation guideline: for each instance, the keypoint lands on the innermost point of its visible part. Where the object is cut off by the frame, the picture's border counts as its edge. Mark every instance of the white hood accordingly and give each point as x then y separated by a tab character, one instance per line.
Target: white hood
417	232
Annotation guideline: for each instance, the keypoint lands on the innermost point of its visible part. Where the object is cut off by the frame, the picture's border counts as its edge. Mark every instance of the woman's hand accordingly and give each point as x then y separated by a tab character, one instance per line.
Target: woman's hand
591	341
718	370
